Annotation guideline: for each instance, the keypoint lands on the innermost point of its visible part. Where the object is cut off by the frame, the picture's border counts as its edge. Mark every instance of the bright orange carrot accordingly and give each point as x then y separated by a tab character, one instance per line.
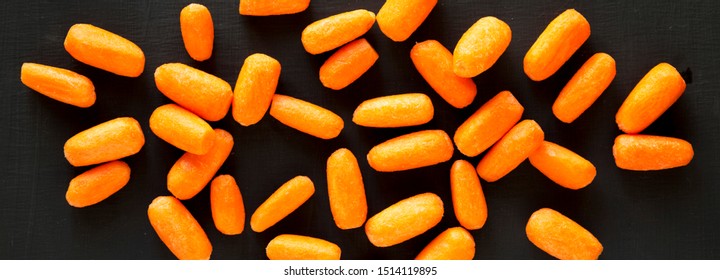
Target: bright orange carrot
108	141
347	64
557	43
282	202
467	195
648	152
521	141
561	237
413	150
298	247
191	173
398	19
346	190
481	46
452	244
178	229
198	31
272	8
254	88
399	110
584	87
337	30
182	129
60	84
204	94
435	64
226	203
306	117
563	166
103	49
488	124
97	184
404	220
650	98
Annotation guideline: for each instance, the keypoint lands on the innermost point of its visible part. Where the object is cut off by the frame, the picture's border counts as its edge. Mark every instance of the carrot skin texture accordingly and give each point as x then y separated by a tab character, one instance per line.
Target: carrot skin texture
410	151
488	124
97	184
191	173
299	247
561	237
108	141
481	46
337	30
467	196
272	8
198	31
182	129
452	244
255	88
556	44
199	92
347	64
60	84
286	199
404	220
306	117
435	64
400	110
398	19
584	87
178	229
346	191
226	204
105	50
648	152
521	141
562	166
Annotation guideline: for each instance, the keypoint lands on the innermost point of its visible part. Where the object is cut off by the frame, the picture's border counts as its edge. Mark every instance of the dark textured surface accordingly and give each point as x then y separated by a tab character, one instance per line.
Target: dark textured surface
671	214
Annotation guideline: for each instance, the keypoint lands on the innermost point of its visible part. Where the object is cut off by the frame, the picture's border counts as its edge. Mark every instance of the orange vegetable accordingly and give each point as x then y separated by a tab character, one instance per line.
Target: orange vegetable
346	190
413	150
585	87
204	94
226	203
467	195
306	117
452	244
103	49
182	129
282	202
557	43
563	166
298	247
108	141
191	173
650	98
561	237
435	64
97	184
198	32
399	110
398	19
648	152
254	88
60	84
337	30
481	46
272	7
347	64
488	124
521	141
404	220
178	229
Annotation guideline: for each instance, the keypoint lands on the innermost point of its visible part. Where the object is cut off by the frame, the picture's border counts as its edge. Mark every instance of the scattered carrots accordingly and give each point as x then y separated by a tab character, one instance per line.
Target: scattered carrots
346	190
563	166
347	64
254	88
97	184
337	30
481	46
584	87
299	247
398	19
649	152
399	110
182	129
404	220
306	117
282	202
272	8
561	237
60	84
435	64
467	195
204	94
103	49
108	141
226	204
452	244
557	43
488	124
191	173
413	150
178	229
198	31
521	141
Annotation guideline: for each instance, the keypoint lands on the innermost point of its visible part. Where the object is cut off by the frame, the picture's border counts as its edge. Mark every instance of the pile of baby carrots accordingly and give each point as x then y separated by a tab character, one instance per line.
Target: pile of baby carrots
496	130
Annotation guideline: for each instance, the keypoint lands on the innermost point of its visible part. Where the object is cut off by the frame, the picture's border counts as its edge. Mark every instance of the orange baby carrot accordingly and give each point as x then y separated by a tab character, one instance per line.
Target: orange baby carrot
563	166
108	141
649	152
481	46
488	124
254	88
404	220
435	64
346	190
60	84
337	30
103	49
452	244
399	110
650	98
523	139
226	203
97	184
557	43
467	195
584	87
272	8
282	202
178	229
298	247
306	117
398	19
413	150
347	64
204	94
191	173
561	237
182	129
198	31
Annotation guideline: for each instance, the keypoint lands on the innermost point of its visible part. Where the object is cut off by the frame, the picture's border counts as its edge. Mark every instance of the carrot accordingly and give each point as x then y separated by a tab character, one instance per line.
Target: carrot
254	88
103	49
557	43
108	141
561	237
563	166
413	150
399	110
649	152
299	247
282	202
584	87
346	190
272	8
347	64
650	98
306	117
182	129
97	184
488	124
178	229
398	19
198	32
204	94
191	173
523	139
404	220
435	64
60	84
226	203
467	195
452	244
481	46
337	30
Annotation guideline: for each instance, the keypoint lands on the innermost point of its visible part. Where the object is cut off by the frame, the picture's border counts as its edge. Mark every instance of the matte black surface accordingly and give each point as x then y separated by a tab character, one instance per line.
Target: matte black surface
671	214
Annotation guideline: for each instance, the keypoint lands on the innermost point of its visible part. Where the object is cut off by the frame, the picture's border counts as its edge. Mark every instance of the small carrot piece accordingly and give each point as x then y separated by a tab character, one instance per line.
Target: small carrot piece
226	204
60	84
347	64
435	64
105	50
108	141
255	88
404	220
584	87
398	19
97	184
306	117
399	110
198	31
481	46
346	190
650	98
521	141
649	152
467	195
563	166
204	94
191	173
178	229
488	124
272	8
413	150
337	30
561	237
182	129
452	244
286	199
299	247
557	43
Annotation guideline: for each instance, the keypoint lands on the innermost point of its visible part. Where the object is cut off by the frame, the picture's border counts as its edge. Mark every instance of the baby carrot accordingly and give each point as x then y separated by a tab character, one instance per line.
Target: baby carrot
178	229
282	202
452	244
481	46
404	220
413	150
435	64
561	237
306	117
337	30
103	49
346	190
226	203
298	247
467	195
254	88
108	141
398	19
198	32
204	94
649	152
182	129
584	87
347	64
272	8
97	184
399	110
557	43
488	124
60	84
191	173
523	139
563	166
650	98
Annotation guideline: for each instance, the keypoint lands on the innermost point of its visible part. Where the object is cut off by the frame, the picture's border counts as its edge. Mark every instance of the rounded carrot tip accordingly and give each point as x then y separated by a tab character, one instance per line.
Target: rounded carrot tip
347	64
306	117
286	199
198	32
191	173
481	46
488	124
108	141
178	229
226	203
413	150
467	196
337	30
435	64
255	88
563	166
398	19
649	152
561	237
199	92
346	190
399	110
404	220
60	84
298	247
452	244
105	50
272	8
97	184
523	139
182	129
584	87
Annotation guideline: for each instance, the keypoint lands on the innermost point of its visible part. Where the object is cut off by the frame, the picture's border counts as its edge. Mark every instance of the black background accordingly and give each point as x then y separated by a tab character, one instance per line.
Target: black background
671	214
